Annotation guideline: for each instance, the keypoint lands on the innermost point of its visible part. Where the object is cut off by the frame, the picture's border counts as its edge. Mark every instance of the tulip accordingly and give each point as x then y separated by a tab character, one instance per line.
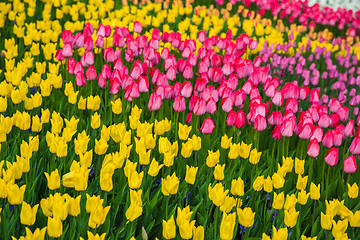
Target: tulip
213	158
170	185
155	102
217	194
190	174
208	126
54	227
133	212
260	123
53	179
219	172
313	149
349	164
169	228
278	201
237	187
332	156
353	191
246	216
290	218
227	226
179	104
98	217
355	146
137	27
28	214
314	191
80	79
258	183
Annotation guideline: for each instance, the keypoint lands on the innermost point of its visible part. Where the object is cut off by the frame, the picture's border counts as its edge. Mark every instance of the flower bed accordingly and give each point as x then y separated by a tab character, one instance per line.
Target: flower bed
175	121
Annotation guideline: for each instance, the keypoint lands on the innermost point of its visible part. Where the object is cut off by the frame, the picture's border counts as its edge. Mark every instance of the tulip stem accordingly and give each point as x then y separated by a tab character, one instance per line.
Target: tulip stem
167	204
313	218
216	222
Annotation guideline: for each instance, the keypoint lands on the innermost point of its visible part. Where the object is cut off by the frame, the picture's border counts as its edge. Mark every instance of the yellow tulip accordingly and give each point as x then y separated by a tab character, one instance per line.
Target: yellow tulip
213	158
217	194
245	150
314	191
170	185
259	183
279	200
228	204
303	197
169	228
227	226
53	179
154	168
237	187
254	156
246	216
290	218
28	214
184	131
225	142
299	166
353	191
219	172
95	121
116	106
54	227
190	174
135	179
133	212
301	182
326	221
98	217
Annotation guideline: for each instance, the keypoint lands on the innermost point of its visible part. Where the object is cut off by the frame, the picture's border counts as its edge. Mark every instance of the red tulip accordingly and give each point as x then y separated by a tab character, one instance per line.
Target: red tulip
99	43
231	118
240	119
276	134
106	71
275	118
188	118
313	148
59	56
207	126
355	146
349	164
332	156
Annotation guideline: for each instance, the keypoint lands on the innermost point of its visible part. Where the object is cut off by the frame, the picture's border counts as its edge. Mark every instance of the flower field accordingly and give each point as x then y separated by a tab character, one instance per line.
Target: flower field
178	120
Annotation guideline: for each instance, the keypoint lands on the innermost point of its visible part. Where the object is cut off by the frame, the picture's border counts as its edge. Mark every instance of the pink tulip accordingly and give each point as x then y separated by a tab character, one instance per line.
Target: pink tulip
132	91
305	131
99	43
78	68
67	36
91	73
332	156
59	56
89	43
80	79
211	106
226	104
102	82
349	164
109	54
275	118
171	73
143	84
349	130
155	102
278	98
343	113
188	72
231	118
67	50
137	27
260	123
335	119
287	128
199	107
328	139
276	134
188	118
317	133
106	71
355	146
324	120
70	66
115	84
334	105
179	104
207	126
313	148
88	58
186	89
240	119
